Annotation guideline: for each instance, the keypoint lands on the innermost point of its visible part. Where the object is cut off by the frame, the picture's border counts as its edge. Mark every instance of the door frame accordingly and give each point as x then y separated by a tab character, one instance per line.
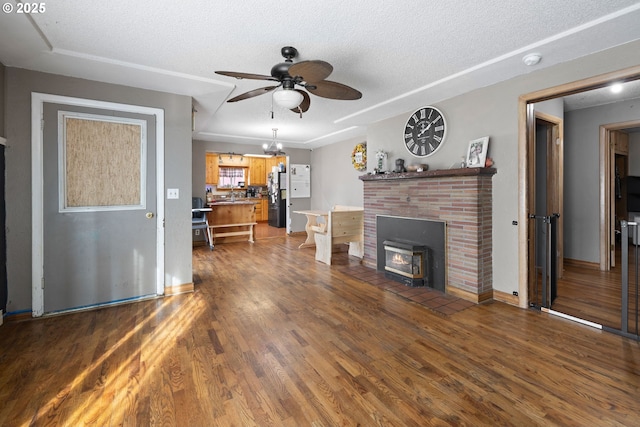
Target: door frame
607	203
524	173
37	208
555	173
554	193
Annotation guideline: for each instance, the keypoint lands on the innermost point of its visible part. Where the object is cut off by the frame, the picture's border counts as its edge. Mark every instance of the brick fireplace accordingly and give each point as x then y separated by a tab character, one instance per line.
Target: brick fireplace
459	197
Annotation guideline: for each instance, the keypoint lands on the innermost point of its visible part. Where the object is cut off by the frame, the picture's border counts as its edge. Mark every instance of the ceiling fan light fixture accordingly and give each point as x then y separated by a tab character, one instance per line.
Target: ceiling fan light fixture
287	98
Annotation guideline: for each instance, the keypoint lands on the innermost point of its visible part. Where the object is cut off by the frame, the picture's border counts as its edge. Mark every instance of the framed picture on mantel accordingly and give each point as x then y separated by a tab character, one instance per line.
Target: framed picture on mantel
477	153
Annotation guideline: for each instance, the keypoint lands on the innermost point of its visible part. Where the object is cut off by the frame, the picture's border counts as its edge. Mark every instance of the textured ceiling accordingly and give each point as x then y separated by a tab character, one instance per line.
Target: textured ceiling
400	54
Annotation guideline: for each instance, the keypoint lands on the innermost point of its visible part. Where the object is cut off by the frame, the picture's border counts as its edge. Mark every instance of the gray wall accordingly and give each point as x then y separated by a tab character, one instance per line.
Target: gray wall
20	84
491	111
295	155
334	181
582	175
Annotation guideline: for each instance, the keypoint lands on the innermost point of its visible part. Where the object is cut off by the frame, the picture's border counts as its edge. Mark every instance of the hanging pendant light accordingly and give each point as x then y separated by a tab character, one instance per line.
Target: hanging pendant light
275	148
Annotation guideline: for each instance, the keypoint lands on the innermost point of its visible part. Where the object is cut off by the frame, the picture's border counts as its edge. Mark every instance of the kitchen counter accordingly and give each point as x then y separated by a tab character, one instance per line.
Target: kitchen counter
232	221
237	202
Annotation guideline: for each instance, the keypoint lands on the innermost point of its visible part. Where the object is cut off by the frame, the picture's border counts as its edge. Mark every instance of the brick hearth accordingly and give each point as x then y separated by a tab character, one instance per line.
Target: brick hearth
460	197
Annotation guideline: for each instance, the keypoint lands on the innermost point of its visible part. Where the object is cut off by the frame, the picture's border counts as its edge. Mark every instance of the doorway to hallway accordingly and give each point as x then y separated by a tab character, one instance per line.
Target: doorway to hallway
588	285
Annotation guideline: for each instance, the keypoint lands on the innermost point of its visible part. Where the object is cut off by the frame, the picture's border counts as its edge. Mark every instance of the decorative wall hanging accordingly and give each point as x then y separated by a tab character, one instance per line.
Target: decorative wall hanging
359	157
381	155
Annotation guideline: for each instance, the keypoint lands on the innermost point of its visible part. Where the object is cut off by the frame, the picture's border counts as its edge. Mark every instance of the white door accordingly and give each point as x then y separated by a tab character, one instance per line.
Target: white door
99	207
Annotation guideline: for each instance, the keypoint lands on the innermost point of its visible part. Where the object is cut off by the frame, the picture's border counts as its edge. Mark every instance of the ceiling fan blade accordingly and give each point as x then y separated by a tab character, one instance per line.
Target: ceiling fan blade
333	90
252	93
245	75
311	71
304	105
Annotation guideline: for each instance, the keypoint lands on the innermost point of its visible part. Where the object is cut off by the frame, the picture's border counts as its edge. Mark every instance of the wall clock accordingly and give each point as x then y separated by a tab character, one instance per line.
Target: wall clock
425	131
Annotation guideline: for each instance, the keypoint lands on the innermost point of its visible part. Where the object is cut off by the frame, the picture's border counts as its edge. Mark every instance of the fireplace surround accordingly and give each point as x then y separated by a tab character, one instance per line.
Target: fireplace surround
462	199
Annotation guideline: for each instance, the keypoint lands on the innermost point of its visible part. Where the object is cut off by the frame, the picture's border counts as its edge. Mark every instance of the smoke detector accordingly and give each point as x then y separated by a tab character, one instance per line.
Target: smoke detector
531	59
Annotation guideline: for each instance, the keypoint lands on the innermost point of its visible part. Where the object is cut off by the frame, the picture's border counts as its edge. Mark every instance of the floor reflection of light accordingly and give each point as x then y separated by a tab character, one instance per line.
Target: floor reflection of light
174	316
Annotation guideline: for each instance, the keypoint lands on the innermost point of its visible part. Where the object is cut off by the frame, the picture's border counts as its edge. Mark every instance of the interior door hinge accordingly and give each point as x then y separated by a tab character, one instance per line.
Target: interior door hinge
42	283
41	124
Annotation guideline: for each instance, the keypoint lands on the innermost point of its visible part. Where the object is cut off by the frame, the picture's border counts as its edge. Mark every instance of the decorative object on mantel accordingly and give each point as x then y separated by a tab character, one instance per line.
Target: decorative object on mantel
381	156
359	157
418	167
477	152
400	166
488	163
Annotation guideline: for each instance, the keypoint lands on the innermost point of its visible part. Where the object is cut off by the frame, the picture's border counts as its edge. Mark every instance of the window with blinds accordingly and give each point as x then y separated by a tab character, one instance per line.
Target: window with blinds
231	177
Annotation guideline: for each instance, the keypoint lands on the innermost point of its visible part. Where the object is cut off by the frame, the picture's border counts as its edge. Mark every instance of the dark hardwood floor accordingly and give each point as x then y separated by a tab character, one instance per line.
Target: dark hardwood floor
595	295
270	337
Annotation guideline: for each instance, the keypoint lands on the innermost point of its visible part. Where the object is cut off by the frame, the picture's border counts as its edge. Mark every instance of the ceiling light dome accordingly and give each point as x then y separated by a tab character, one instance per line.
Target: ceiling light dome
287	98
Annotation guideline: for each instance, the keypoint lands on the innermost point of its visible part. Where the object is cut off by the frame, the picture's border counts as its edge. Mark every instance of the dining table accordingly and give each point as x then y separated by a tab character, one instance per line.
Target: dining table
313	224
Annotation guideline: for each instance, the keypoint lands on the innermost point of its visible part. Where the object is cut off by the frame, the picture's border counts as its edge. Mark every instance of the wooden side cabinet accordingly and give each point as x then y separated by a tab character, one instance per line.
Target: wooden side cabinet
212	168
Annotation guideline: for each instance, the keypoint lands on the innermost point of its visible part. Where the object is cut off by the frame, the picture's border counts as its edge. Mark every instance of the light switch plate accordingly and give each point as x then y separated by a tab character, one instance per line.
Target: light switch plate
173	193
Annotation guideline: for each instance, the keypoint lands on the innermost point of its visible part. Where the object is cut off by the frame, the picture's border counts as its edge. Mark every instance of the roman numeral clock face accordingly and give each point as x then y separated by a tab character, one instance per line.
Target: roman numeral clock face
425	131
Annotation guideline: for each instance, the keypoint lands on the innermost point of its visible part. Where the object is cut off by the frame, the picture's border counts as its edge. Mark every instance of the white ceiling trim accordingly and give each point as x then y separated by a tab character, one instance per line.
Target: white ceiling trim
135	66
496	60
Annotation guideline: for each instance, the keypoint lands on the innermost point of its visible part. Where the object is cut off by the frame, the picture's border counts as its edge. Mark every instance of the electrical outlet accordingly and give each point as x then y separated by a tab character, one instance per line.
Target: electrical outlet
515	293
197	232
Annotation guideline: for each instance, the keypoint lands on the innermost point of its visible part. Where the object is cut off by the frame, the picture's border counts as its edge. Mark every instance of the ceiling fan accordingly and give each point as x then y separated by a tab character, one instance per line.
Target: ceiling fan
310	75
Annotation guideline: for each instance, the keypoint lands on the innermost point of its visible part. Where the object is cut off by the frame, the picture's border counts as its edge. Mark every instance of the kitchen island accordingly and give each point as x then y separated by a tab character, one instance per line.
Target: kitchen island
232	221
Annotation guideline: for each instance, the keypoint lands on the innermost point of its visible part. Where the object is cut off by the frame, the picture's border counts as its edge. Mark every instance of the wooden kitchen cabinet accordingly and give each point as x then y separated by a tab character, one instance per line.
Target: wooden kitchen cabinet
274	161
257	171
262	210
233	160
212	168
259	213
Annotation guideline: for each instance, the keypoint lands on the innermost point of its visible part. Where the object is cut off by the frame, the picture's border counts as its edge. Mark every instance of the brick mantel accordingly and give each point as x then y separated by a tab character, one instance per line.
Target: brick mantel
460	197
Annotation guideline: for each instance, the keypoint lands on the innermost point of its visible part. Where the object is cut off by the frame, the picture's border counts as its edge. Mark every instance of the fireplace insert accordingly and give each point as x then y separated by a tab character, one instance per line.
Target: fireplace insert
405	262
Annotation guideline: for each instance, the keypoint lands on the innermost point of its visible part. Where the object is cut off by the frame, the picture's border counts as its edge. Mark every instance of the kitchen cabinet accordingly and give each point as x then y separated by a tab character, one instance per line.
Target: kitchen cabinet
274	161
233	160
257	171
259	212
262	209
212	169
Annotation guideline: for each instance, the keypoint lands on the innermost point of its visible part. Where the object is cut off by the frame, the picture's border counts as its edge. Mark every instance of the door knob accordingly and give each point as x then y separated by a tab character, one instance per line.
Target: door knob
149	215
